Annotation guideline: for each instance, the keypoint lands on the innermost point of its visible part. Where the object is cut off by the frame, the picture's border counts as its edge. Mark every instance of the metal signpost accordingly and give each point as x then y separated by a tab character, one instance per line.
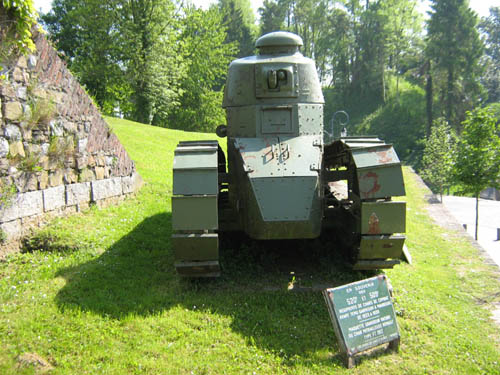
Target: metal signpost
363	316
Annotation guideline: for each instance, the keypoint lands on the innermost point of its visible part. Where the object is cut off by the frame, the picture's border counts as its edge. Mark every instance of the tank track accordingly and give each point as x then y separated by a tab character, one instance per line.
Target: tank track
195	239
371	222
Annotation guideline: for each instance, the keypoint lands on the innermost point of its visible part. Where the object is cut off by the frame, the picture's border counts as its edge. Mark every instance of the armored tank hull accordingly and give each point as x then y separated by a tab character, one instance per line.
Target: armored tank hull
281	179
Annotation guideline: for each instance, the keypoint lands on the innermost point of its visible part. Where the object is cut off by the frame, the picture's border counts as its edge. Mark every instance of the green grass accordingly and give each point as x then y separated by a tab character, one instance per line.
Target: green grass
103	296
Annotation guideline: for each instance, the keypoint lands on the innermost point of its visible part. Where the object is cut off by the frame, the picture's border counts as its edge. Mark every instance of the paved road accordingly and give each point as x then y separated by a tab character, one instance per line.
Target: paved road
464	210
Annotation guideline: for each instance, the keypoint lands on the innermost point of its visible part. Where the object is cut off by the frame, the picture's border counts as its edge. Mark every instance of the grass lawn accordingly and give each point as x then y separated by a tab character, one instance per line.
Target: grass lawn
103	296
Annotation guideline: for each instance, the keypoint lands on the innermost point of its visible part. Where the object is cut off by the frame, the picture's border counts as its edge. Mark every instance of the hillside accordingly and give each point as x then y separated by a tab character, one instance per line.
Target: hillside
100	295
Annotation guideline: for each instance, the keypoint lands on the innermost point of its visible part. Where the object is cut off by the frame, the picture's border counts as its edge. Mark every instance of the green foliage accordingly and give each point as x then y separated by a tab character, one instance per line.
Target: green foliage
478	153
60	148
207	57
127	55
41	112
17	17
50	241
401	121
454	47
239	20
92	47
152	52
439	157
7	192
272	16
490	27
30	163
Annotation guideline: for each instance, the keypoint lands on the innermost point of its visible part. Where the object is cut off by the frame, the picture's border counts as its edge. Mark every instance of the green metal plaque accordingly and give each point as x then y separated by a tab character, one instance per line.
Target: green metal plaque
362	314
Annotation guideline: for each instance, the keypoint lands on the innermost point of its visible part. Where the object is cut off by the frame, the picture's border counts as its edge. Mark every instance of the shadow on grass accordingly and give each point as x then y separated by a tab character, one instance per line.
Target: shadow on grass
136	276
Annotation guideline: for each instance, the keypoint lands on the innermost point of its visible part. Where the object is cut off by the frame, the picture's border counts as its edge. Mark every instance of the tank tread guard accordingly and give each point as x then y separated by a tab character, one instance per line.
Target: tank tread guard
195	241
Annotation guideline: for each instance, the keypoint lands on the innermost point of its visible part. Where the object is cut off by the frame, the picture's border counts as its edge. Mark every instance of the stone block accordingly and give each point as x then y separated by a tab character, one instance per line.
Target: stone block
40	93
43	180
100	161
17	148
22	92
4	165
131	184
10	211
30	203
86	175
44	162
77	193
7	91
56	128
99	173
31	181
55	178
70	127
12	111
25	132
69	162
18	75
110	187
110	160
81	162
45	148
12	229
70	176
54	198
21	62
82	145
32	61
4	147
56	96
32	148
53	164
12	132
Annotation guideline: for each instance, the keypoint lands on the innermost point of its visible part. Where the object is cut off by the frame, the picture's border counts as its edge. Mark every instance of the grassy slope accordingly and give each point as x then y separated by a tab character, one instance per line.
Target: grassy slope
116	306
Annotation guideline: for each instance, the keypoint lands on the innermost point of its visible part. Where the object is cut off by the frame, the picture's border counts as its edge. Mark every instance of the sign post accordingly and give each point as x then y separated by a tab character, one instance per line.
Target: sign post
363	316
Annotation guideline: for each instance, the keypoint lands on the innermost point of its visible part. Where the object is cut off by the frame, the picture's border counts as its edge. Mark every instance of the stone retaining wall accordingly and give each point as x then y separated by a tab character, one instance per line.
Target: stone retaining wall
60	200
57	154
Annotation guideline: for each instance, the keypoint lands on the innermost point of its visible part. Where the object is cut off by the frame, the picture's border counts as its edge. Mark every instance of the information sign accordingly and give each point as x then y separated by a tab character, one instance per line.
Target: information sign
363	316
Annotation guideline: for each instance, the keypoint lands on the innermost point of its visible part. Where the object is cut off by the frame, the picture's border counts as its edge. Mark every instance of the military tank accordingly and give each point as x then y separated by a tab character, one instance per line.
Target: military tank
284	178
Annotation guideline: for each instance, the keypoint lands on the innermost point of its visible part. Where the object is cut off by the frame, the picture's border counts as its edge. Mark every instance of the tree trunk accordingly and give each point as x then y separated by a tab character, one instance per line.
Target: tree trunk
477	214
449	96
428	96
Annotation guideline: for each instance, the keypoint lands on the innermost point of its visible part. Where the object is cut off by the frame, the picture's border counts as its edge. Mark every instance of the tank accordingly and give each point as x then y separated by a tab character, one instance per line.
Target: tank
283	177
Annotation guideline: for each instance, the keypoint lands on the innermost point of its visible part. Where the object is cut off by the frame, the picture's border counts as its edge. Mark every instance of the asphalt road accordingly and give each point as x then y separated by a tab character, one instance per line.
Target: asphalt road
464	211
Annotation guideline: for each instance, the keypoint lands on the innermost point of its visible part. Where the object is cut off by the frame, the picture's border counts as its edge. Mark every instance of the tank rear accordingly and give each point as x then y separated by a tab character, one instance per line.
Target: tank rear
274	109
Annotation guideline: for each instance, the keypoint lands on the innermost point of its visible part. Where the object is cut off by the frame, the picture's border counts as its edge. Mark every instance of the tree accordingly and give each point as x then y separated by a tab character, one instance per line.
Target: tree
438	158
454	47
91	46
126	55
403	32
151	53
272	16
239	27
490	27
478	155
207	58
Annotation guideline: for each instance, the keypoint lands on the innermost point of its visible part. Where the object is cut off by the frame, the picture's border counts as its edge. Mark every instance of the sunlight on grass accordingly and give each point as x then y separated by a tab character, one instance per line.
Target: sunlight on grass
112	303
